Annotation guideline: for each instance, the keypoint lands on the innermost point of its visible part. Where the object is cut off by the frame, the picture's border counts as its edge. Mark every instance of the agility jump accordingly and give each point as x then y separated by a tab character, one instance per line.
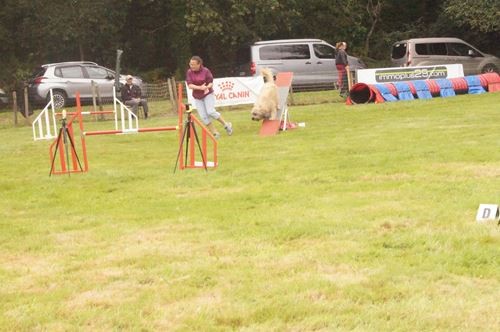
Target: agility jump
129	124
44	125
64	146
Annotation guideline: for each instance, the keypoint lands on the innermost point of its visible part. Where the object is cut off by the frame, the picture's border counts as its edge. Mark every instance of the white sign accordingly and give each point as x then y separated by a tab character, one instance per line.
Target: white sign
401	74
487	212
233	90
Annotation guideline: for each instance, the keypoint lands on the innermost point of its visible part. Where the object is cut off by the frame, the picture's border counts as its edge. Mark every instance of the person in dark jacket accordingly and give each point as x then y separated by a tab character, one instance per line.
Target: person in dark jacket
132	96
342	68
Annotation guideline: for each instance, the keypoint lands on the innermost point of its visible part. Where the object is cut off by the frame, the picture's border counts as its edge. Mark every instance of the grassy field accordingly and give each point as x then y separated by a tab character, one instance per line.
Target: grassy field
363	220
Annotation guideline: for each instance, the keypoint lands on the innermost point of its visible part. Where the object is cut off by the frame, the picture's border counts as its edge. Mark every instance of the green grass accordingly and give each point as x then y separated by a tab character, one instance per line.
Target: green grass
363	220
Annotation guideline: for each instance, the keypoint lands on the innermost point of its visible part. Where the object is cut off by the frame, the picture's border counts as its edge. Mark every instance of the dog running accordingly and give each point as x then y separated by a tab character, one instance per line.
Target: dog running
266	106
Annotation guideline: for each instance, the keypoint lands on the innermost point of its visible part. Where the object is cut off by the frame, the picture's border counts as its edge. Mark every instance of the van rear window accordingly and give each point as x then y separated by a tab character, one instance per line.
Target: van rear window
421	49
270	53
398	50
431	49
324	51
458	49
282	52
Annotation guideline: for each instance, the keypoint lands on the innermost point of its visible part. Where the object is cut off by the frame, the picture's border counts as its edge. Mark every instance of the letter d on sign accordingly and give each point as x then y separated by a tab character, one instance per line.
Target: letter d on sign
487	212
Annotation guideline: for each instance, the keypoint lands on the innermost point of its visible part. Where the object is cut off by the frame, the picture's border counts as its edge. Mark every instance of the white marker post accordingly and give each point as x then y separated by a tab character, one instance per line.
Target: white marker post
487	212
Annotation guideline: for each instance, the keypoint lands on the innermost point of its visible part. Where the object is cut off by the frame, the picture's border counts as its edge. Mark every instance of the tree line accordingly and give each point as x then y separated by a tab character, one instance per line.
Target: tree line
159	36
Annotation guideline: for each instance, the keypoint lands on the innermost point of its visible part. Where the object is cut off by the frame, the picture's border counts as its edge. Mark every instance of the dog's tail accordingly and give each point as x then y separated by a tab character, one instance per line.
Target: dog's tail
268	74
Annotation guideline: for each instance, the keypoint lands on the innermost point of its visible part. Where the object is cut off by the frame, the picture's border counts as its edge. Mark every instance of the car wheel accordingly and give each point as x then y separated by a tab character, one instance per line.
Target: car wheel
60	98
489	68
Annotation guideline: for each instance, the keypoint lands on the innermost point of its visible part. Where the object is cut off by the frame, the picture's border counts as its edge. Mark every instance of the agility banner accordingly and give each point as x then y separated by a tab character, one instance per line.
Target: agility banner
230	91
400	74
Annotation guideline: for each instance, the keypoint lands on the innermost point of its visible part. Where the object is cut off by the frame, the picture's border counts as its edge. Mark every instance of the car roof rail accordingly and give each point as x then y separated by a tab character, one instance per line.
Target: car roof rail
285	41
70	63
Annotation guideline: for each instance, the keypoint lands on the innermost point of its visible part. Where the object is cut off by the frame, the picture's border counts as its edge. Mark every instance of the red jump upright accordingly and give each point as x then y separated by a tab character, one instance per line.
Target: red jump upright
207	139
65	146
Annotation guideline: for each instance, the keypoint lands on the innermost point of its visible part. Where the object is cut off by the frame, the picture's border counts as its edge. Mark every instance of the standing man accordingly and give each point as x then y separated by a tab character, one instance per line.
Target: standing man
131	96
342	68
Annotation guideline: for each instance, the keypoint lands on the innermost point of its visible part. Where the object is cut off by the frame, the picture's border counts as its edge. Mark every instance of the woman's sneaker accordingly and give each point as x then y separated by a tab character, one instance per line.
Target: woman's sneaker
229	128
216	135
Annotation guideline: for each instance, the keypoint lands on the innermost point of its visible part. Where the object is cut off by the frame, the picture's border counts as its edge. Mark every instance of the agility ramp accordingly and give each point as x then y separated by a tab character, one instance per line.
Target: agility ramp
272	127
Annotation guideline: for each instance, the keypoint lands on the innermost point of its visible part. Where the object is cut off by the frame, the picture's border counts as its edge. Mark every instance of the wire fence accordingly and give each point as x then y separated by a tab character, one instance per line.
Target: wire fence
163	91
20	102
158	91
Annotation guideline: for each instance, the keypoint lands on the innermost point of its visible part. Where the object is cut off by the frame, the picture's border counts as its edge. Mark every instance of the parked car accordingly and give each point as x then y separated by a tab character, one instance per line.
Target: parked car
443	50
66	78
312	61
4	98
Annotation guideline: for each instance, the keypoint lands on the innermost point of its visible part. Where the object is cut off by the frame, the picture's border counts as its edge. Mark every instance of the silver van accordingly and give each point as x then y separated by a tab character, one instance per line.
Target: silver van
312	61
443	50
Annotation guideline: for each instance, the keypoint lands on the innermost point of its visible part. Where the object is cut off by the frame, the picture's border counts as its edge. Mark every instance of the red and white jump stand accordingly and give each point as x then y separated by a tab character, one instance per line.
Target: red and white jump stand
129	125
207	140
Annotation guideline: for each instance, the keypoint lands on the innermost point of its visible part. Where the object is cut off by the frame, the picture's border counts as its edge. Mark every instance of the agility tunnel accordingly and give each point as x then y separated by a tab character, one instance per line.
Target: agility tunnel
362	93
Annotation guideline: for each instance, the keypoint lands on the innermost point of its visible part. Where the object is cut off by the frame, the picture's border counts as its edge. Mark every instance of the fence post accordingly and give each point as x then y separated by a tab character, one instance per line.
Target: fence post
26	105
94	104
174	84
174	95
99	101
14	106
349	79
291	96
171	94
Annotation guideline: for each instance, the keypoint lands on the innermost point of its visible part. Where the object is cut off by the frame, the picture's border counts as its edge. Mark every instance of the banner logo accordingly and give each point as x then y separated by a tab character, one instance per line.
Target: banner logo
225	85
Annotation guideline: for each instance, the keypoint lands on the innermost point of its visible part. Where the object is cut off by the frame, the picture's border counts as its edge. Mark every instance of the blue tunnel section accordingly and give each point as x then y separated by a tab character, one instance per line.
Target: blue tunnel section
362	93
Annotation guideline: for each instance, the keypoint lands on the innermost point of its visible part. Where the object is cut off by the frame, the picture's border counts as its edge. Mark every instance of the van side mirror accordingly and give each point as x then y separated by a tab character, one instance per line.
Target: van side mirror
471	53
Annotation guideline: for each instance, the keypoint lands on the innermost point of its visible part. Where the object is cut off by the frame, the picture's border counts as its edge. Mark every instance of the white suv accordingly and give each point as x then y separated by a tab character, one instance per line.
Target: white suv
67	78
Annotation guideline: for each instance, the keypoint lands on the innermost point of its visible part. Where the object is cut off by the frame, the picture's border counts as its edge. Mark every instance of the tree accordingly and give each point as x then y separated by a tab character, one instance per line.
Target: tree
154	37
219	28
159	36
374	11
480	15
85	30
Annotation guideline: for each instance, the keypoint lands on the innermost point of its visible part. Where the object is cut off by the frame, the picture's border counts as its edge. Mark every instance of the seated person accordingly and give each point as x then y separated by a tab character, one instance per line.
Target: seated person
131	96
